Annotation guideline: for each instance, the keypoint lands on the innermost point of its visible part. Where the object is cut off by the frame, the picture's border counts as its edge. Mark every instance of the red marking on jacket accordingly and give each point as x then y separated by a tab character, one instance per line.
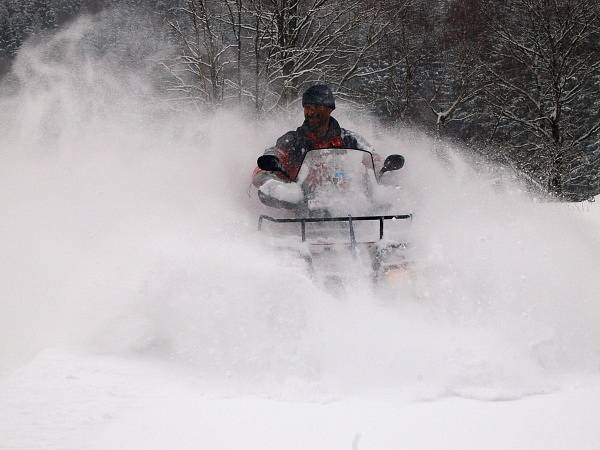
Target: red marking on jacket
334	142
291	169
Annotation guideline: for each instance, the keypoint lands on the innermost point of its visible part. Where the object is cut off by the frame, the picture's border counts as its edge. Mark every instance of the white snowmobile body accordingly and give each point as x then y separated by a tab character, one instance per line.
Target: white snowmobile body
340	224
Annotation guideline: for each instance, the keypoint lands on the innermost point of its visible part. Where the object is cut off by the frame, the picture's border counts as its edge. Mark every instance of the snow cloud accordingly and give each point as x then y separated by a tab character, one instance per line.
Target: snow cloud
128	230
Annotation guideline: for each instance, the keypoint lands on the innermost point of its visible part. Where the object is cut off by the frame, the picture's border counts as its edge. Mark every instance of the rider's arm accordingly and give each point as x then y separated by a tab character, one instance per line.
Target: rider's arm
259	176
276	188
282	149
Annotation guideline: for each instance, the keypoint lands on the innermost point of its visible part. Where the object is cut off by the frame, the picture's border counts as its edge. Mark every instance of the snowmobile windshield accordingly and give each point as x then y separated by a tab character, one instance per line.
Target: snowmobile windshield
340	181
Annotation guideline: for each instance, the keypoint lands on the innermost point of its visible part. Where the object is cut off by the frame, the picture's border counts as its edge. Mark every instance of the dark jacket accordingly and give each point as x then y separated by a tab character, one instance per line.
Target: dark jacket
293	145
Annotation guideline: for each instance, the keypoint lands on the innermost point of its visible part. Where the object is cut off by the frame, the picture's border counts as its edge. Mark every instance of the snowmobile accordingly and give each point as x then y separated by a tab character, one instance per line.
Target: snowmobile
343	219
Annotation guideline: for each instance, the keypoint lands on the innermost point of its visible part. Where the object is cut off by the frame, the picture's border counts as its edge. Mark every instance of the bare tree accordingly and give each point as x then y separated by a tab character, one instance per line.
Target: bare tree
235	10
299	42
455	71
199	70
406	65
546	69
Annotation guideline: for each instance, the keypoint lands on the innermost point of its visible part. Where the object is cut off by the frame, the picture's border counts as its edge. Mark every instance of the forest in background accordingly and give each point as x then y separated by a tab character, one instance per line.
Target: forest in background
517	81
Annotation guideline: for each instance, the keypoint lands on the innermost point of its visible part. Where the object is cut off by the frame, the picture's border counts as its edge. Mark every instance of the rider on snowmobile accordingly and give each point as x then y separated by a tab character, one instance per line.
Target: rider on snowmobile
319	131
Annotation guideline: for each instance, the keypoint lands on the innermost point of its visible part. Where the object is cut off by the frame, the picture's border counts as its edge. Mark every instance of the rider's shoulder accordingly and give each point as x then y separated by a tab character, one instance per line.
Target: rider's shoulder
355	140
288	140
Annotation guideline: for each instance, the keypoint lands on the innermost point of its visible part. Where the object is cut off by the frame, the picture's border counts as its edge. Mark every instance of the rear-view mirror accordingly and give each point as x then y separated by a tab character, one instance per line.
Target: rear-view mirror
392	162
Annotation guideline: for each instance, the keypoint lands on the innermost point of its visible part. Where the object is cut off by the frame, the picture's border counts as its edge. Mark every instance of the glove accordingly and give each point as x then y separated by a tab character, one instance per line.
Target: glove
282	191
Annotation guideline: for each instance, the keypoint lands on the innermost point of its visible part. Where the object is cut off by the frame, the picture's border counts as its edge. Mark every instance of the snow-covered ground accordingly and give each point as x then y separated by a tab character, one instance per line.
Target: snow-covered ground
65	400
138	308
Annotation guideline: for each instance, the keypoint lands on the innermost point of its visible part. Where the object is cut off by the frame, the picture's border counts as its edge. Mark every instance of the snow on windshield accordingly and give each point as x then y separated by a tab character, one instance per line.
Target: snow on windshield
340	180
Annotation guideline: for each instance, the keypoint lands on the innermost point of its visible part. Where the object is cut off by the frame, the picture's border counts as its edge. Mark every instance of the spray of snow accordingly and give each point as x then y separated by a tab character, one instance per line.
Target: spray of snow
127	230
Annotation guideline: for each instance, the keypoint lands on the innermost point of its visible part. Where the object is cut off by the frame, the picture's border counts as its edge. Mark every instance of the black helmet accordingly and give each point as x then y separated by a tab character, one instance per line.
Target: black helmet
319	94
